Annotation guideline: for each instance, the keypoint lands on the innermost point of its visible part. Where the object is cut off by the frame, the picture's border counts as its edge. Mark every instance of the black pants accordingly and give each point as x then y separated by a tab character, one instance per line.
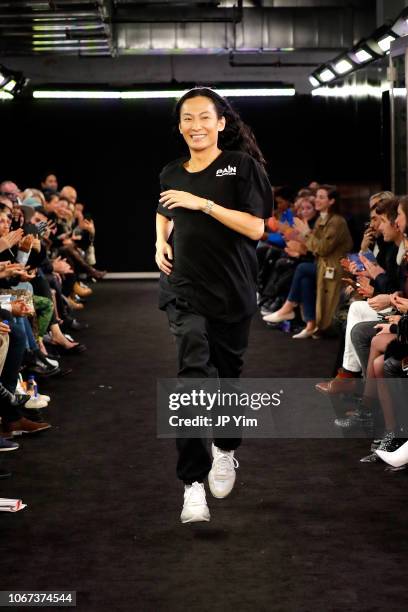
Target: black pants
206	349
42	288
12	365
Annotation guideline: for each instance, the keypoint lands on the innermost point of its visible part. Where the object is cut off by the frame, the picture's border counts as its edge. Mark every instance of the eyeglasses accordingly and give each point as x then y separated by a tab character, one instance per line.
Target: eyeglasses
11	196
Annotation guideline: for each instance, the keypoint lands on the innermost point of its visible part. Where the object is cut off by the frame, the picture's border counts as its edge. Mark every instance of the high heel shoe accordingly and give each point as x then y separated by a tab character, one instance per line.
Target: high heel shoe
73	350
397	458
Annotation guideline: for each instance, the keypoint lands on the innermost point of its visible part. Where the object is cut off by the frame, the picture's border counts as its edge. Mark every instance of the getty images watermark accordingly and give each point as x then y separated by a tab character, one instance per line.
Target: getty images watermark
262	408
227	405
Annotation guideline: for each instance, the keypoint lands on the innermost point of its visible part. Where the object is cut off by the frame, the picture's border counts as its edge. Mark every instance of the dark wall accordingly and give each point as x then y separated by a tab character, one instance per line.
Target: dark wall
112	151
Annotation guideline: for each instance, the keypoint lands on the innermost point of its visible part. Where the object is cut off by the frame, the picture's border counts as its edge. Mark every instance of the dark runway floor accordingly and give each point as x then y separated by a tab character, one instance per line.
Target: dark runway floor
307	527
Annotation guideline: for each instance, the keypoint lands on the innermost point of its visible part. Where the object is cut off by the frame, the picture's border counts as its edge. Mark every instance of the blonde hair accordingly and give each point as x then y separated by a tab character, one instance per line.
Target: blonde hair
380	197
31	192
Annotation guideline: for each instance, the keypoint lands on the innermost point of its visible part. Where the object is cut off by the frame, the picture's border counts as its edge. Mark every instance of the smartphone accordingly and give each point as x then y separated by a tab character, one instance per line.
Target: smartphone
355	258
42	228
370	256
383	316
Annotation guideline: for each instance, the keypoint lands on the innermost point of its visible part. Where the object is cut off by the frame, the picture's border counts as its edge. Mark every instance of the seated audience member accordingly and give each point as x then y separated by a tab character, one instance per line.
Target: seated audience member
273	242
6	203
302	194
11	191
278	285
387	350
36	284
16	278
65	240
393	448
380	355
49	184
14	419
377	284
372	239
32	197
316	285
51	202
283	217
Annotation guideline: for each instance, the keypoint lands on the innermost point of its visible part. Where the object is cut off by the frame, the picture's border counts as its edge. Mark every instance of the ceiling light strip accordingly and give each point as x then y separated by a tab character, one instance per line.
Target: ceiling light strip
148	95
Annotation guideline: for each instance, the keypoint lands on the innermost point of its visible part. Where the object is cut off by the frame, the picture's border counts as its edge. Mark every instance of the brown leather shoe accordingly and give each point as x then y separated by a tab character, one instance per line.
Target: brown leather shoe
75	305
23	426
82	291
343	383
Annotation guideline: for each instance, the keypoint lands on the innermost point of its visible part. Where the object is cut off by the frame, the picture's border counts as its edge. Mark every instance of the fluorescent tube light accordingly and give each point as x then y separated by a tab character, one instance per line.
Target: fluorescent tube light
147	95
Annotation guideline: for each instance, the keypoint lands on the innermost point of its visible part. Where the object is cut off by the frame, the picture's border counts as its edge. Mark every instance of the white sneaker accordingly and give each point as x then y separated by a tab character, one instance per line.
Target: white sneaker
52	362
221	478
44	398
195	507
35	403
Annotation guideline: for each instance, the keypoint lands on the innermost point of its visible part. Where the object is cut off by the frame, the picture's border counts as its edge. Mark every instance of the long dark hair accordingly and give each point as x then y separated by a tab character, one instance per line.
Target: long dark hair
403	202
237	136
332	194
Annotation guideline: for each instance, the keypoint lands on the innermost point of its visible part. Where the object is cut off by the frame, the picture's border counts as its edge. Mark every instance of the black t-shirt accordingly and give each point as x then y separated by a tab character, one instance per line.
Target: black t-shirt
214	267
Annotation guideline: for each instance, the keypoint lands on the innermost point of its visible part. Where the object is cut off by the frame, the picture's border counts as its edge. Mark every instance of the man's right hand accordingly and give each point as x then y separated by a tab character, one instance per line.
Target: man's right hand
368	239
164	253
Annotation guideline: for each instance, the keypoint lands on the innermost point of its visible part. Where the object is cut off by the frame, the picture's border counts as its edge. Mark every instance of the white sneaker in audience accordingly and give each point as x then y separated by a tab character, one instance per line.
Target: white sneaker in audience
35	403
22	390
195	507
44	398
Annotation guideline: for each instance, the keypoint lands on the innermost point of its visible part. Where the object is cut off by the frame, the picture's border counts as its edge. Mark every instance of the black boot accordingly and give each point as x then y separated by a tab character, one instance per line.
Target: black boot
36	365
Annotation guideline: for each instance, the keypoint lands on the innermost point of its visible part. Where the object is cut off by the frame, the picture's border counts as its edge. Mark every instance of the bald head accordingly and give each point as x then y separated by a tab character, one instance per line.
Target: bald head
69	193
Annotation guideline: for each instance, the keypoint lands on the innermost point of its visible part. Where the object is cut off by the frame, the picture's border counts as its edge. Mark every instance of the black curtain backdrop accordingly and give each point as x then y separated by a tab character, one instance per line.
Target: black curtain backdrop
113	151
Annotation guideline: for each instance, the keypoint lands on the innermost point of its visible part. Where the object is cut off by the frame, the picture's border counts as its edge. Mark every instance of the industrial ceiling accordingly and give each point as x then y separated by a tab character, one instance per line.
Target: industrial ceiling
168	40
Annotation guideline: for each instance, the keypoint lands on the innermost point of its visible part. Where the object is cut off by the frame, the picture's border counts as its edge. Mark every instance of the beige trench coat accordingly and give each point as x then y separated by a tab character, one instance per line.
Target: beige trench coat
330	240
